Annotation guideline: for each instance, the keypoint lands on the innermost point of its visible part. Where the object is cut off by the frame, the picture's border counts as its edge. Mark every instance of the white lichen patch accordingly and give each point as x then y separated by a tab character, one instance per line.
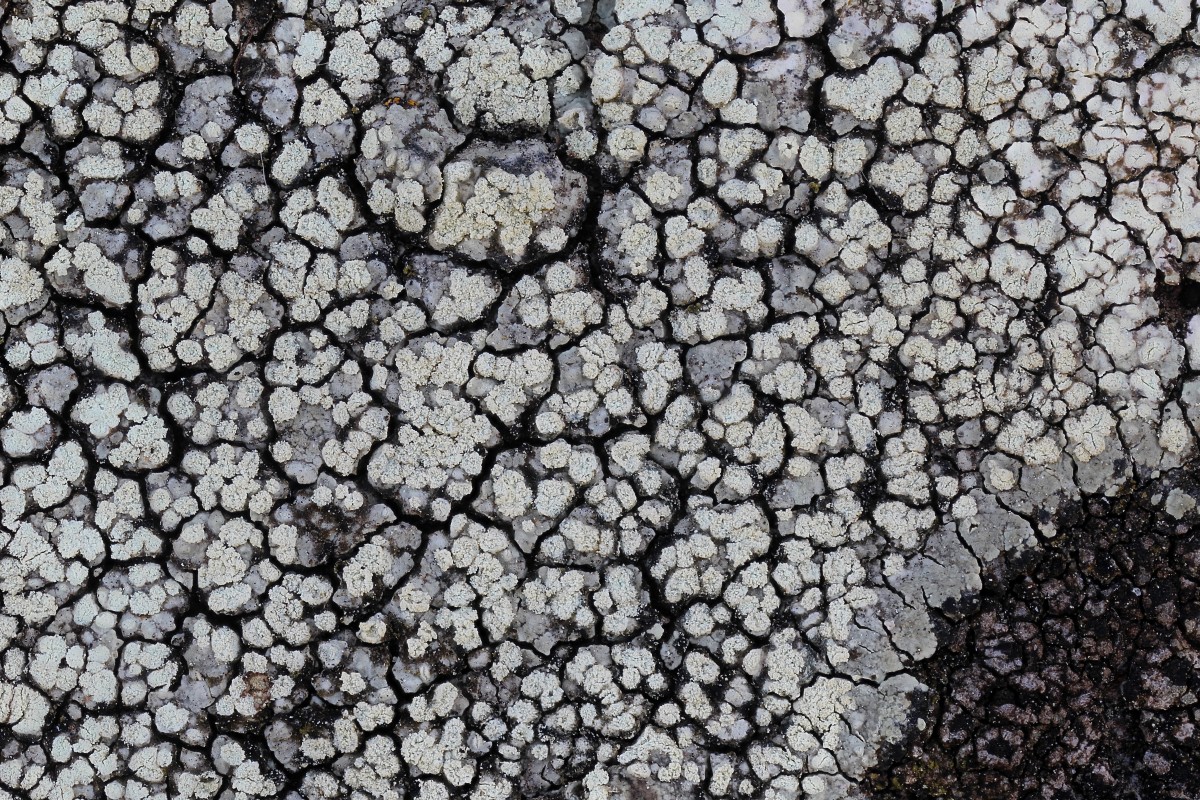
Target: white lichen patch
508	204
561	398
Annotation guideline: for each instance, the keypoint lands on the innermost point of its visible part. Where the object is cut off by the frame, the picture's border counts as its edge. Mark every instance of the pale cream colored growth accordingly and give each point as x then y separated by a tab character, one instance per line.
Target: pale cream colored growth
490	85
145	445
627	143
502	207
1090	432
102	345
23	709
1017	273
863	96
19	284
720	85
221	220
994	79
322	106
100	275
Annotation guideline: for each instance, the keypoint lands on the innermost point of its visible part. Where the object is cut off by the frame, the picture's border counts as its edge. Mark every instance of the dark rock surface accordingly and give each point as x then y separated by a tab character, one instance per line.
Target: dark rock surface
1074	674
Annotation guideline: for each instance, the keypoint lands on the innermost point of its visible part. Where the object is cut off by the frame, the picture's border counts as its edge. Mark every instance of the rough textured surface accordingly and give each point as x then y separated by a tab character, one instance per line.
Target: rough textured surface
1076	673
598	399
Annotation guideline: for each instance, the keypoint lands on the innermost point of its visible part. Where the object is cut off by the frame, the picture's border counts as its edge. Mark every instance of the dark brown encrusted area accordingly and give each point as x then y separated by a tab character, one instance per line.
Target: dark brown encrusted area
1077	673
597	399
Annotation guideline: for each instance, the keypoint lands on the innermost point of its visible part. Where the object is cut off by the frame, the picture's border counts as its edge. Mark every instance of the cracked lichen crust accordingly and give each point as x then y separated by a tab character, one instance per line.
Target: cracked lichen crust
417	400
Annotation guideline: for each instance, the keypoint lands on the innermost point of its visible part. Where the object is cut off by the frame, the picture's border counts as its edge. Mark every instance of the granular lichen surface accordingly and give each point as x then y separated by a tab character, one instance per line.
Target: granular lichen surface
599	399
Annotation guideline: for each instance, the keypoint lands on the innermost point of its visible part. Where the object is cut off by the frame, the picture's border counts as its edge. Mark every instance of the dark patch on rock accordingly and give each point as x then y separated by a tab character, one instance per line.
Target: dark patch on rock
1078	674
